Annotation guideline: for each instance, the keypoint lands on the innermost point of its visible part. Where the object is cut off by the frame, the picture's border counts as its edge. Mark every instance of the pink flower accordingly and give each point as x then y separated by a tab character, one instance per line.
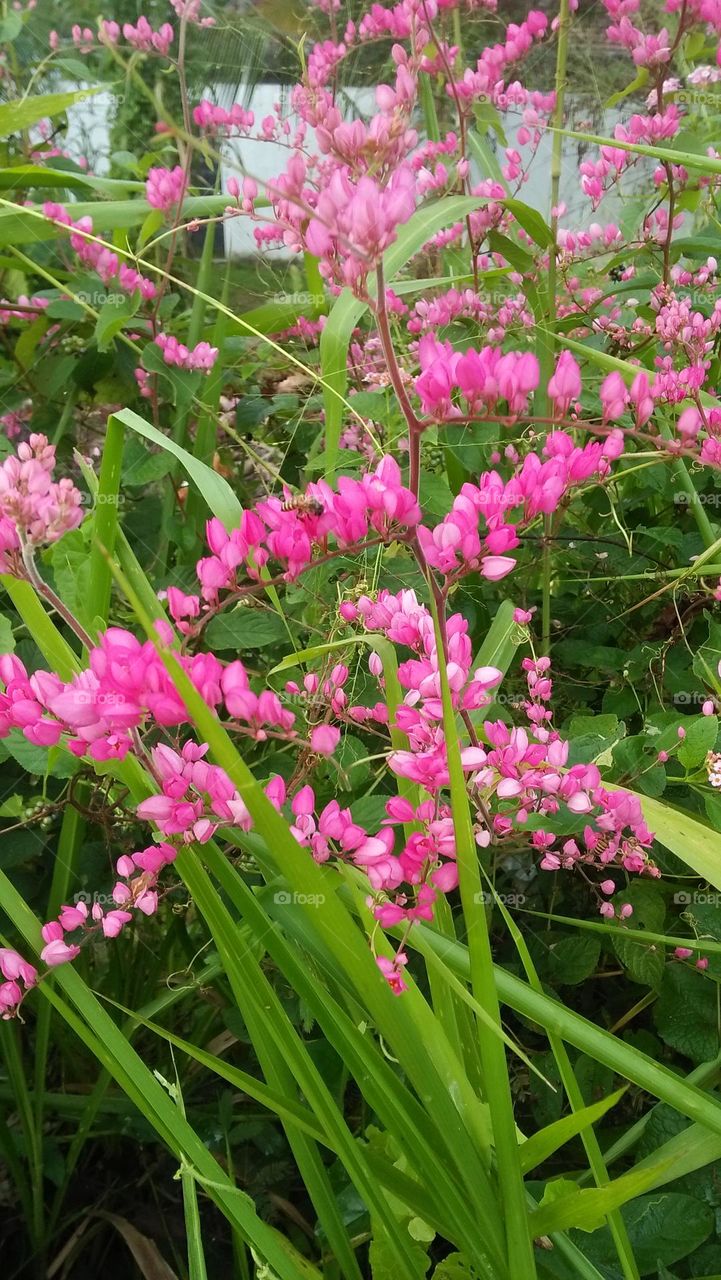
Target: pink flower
12	967
201	357
614	396
565	385
392	971
324	739
58	952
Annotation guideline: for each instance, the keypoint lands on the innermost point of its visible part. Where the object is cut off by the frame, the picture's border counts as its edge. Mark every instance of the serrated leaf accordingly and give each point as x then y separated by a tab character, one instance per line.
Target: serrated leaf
685	1013
244	629
701	734
572	959
32	758
112	317
662	1227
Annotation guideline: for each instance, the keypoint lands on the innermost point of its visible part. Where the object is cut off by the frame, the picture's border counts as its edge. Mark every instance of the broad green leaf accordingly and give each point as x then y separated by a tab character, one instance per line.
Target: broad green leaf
697	845
663	1227
34	759
20	225
531	221
644	962
686	1013
113	316
10	27
215	490
24	112
245	628
7	639
701	734
25	177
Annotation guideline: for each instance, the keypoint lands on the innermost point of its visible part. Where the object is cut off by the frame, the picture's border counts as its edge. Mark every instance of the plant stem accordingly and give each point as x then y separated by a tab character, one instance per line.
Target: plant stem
53	600
415	427
681	475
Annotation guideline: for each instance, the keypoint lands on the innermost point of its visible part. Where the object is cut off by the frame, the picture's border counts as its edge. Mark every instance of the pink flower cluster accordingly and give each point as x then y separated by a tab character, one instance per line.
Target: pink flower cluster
135	890
481	377
519	773
655	130
216	119
455	547
20	977
352	223
34	508
488	79
95	255
485	377
142	36
165	188
201	357
287	532
190	11
196	797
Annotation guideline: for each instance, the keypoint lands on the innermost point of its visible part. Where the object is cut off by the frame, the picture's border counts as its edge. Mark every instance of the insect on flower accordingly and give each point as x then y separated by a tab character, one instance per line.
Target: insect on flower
304	505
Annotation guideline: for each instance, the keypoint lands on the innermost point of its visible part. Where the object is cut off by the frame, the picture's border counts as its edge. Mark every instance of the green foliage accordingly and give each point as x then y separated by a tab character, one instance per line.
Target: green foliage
234	1077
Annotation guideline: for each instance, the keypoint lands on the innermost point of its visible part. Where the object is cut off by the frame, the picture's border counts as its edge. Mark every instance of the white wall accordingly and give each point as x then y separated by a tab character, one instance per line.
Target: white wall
88	134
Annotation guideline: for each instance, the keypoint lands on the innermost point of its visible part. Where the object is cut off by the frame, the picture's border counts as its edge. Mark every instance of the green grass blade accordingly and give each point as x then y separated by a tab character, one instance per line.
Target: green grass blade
546	1141
495	1071
214	488
628	1062
109	1045
105	519
409	1024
